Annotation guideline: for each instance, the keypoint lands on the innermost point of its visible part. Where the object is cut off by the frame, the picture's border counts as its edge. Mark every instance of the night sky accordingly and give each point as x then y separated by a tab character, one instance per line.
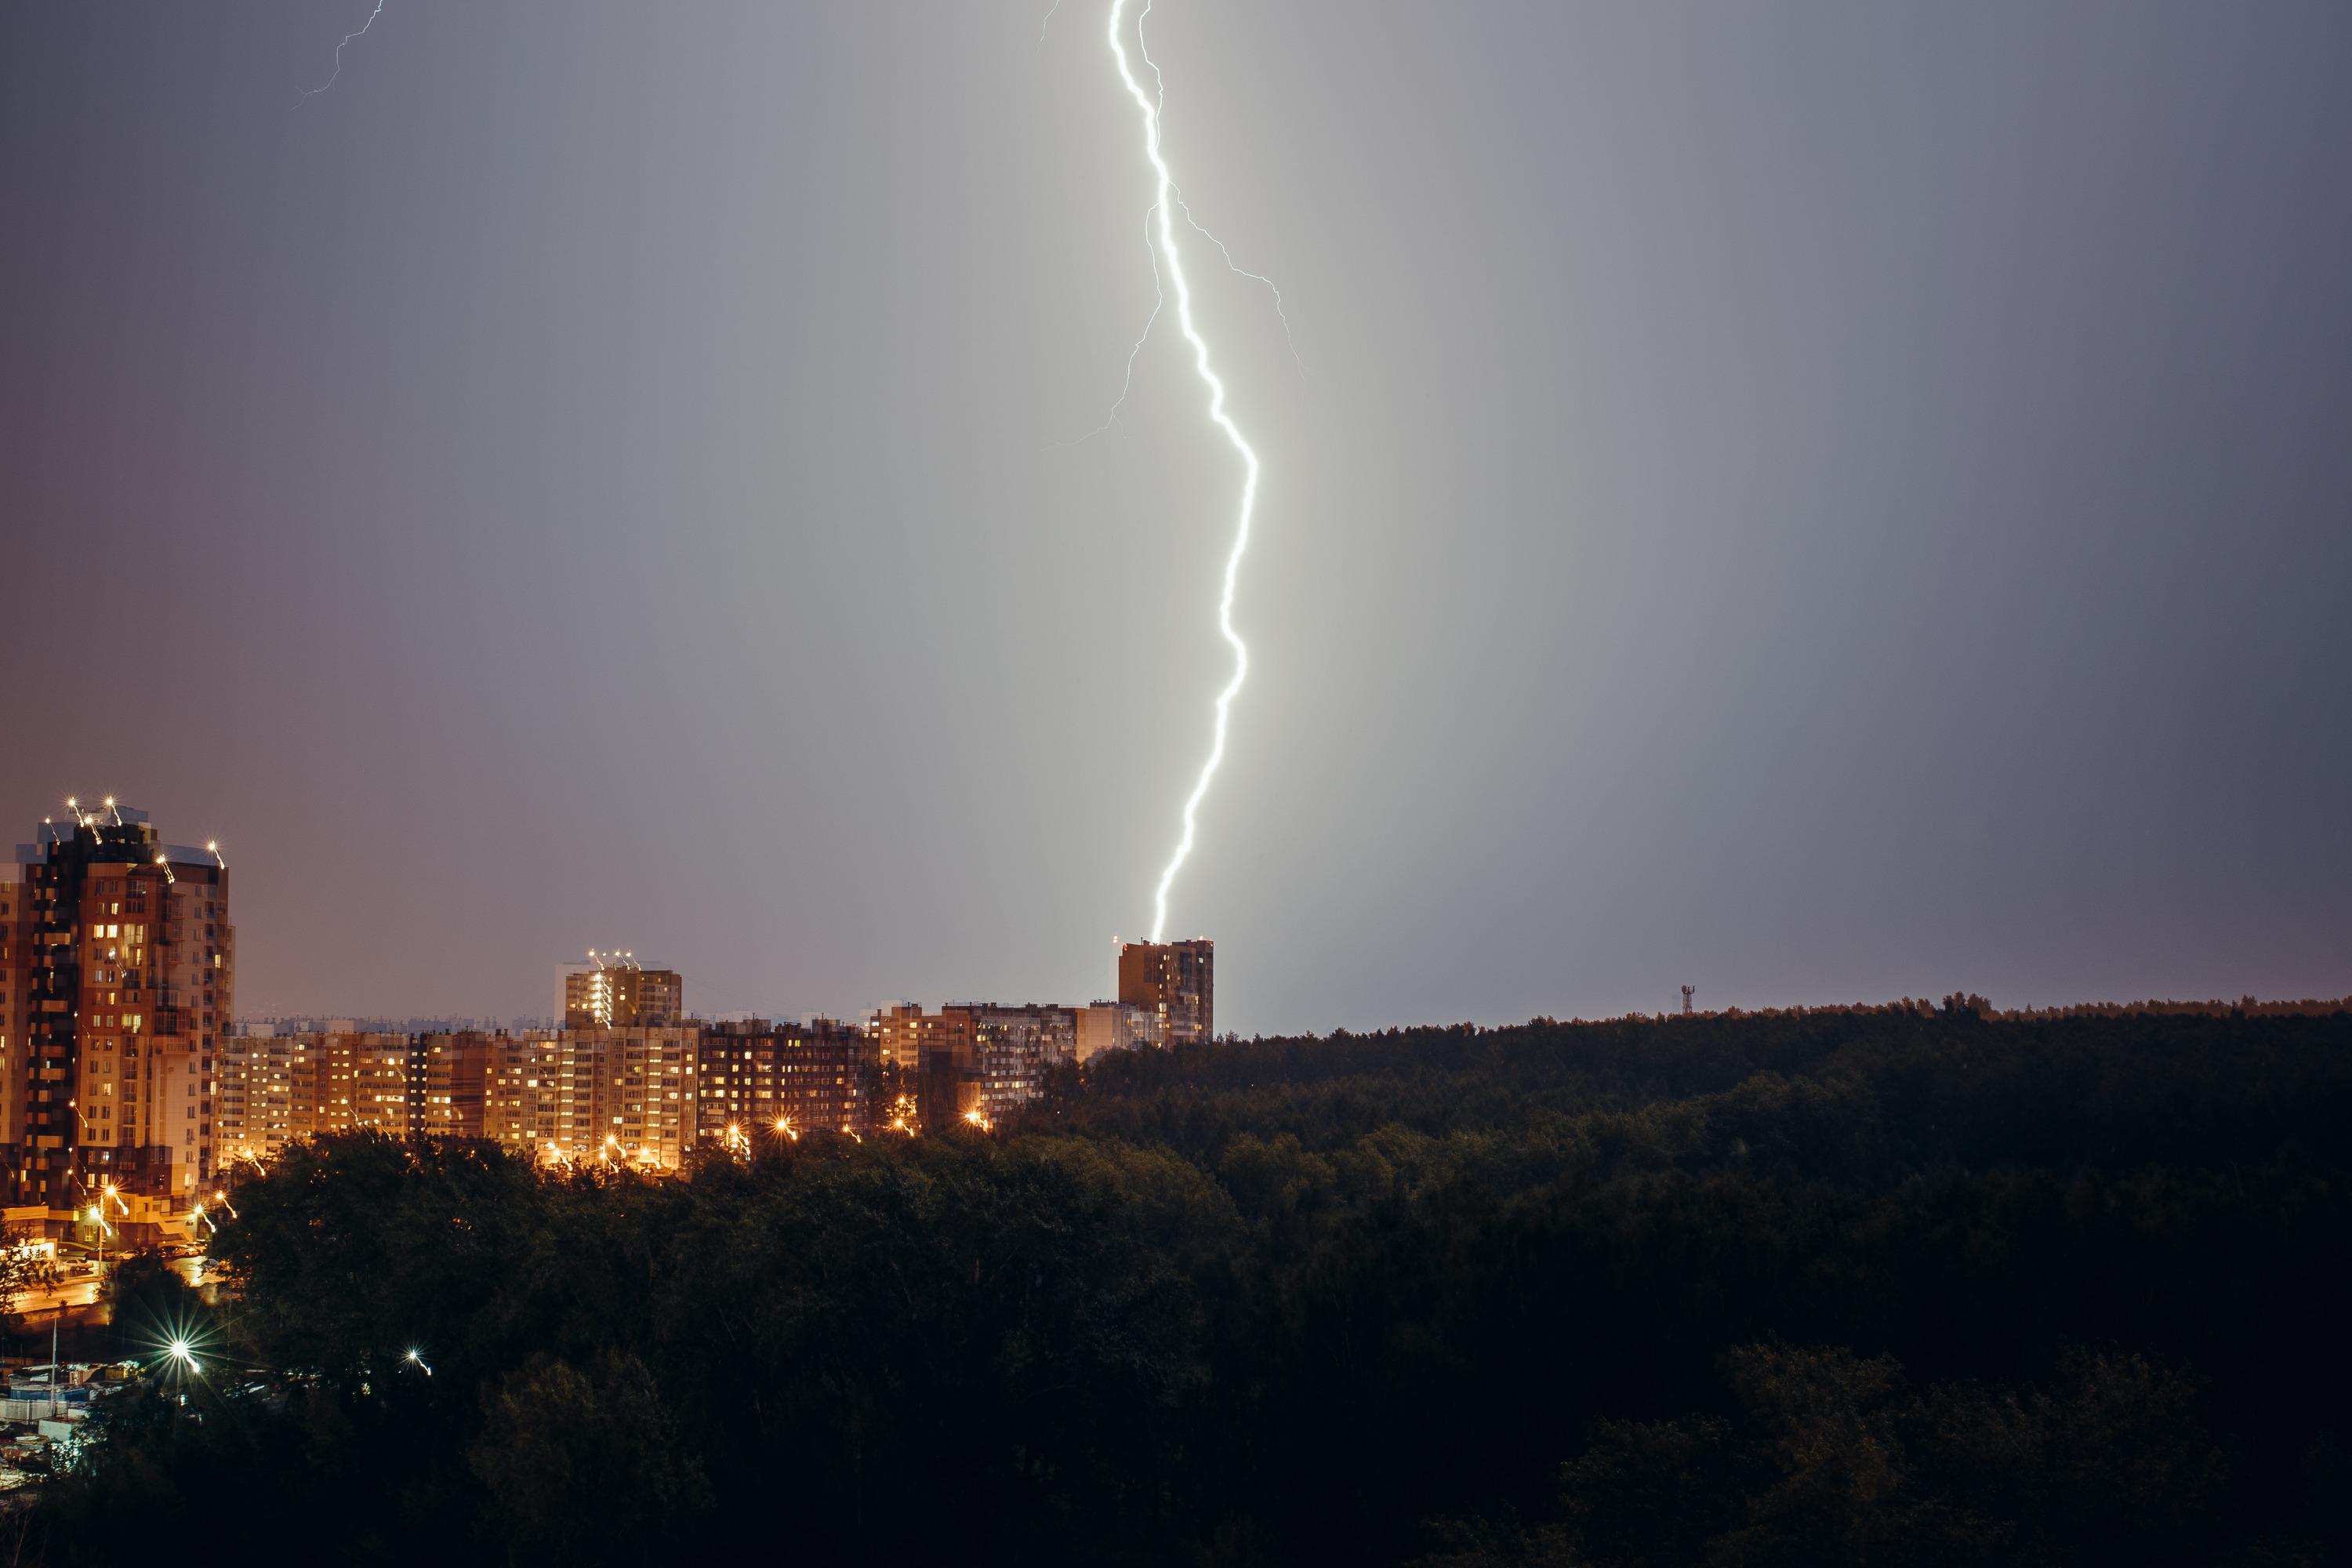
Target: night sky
1817	502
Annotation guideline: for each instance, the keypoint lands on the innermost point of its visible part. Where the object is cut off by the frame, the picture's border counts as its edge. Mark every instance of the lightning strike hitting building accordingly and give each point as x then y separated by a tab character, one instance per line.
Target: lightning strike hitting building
1164	211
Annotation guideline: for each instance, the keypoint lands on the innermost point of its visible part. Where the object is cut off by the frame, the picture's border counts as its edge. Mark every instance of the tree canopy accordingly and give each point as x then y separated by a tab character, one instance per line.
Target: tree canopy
1904	1284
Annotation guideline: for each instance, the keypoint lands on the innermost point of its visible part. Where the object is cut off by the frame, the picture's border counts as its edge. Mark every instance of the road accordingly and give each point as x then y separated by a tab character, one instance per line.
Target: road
76	1295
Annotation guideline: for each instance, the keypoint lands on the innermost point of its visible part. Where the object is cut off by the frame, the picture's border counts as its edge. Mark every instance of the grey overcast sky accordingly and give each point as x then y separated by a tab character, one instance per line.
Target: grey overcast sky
1819	502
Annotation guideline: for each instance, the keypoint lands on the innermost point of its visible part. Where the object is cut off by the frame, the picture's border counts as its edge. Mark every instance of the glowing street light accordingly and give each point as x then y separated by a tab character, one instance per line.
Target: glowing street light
418	1359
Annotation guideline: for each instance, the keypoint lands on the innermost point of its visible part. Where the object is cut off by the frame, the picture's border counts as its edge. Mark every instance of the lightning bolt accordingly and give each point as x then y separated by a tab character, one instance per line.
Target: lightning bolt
310	93
1164	208
1237	266
1159	303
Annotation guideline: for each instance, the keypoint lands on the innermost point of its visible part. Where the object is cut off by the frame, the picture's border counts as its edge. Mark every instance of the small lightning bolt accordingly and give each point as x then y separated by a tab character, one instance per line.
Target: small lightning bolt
1159	302
310	93
1164	208
1239	269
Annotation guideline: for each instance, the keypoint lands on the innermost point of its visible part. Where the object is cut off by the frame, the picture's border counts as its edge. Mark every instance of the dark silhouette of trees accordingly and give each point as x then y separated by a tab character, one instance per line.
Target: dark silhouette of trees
1919	1283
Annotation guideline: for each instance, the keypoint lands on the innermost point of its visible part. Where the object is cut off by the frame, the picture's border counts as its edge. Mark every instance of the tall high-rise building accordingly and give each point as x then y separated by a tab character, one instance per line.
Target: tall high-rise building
615	992
117	972
1177	982
16	1013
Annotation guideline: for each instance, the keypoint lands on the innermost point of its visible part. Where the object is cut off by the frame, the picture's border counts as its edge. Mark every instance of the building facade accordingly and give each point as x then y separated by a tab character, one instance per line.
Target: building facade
1017	1048
625	1096
1116	1027
454	1098
760	1081
260	1069
526	1093
637	1087
1174	981
617	993
117	977
971	1061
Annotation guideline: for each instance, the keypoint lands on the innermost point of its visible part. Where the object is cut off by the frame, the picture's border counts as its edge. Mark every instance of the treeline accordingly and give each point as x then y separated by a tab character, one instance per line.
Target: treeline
1908	1284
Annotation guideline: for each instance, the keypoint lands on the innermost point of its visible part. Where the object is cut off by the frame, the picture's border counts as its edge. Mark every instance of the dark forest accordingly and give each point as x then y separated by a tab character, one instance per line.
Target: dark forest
1915	1284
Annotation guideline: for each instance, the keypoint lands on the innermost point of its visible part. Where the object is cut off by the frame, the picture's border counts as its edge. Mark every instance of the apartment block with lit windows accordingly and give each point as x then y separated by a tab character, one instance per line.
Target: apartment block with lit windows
526	1093
906	1037
933	1057
16	997
277	1087
760	1081
267	1090
1117	1026
1176	981
117	969
1017	1046
615	991
972	1060
453	1094
628	1095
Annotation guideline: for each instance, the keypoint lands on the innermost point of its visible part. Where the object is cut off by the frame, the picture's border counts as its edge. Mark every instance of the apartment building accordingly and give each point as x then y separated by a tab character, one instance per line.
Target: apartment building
1176	982
117	975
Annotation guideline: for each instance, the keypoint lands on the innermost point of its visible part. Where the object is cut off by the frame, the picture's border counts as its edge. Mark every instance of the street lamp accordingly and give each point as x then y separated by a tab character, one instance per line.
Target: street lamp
418	1359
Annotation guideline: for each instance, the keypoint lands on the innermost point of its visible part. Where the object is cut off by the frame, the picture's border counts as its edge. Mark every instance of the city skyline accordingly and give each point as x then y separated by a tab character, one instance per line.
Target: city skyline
130	1086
